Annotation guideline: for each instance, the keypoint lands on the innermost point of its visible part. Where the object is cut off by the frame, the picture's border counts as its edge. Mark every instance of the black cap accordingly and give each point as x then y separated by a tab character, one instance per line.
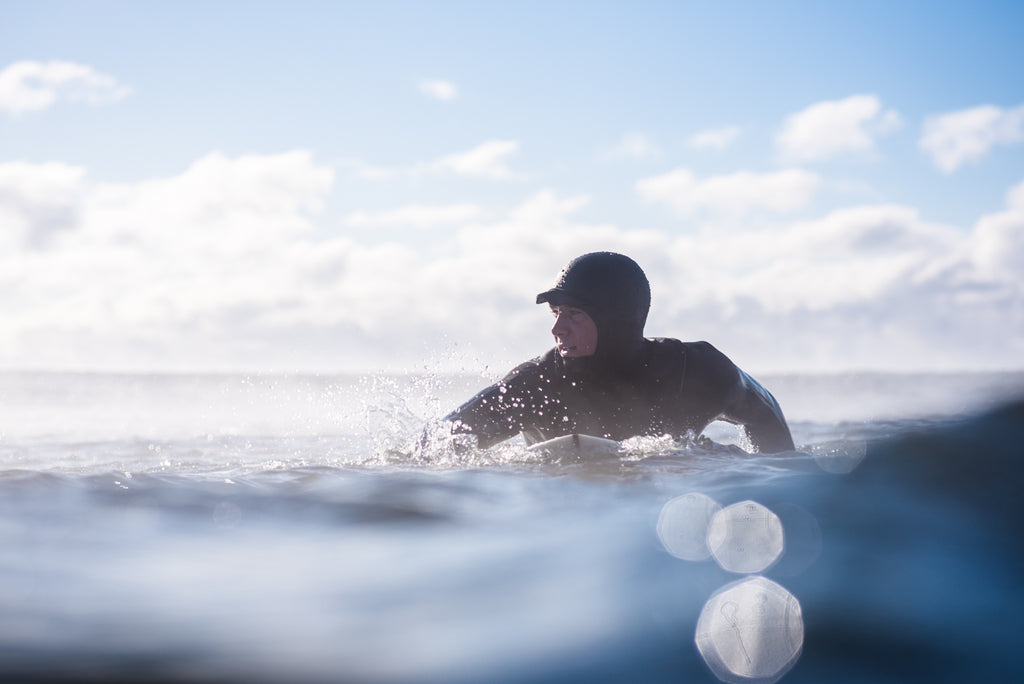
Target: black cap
610	282
614	291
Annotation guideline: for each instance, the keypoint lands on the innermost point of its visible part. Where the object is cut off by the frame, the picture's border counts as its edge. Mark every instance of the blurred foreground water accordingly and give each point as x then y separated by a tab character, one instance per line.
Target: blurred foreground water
280	528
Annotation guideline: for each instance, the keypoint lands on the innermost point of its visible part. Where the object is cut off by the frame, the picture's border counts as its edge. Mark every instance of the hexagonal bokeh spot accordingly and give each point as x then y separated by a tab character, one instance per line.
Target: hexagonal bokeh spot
683	525
750	632
745	537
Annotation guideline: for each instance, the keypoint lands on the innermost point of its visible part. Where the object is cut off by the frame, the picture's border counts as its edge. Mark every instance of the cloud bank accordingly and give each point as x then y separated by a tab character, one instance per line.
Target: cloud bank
415	216
227	265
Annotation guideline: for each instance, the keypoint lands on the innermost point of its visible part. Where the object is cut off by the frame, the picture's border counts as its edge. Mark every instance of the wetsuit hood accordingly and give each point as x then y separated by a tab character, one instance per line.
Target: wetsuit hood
615	293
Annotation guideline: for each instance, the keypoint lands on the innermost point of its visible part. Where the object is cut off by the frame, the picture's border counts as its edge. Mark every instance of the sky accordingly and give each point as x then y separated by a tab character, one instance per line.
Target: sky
360	186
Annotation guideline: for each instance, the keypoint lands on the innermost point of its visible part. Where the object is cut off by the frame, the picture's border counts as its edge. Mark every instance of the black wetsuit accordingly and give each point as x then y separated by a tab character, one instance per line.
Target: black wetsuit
668	387
630	385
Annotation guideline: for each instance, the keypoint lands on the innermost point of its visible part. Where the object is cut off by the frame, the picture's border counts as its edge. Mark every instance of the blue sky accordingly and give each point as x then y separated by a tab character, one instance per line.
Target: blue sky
330	186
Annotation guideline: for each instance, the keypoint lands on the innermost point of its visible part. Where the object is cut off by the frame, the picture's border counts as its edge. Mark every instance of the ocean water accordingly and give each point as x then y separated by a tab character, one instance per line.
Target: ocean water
282	528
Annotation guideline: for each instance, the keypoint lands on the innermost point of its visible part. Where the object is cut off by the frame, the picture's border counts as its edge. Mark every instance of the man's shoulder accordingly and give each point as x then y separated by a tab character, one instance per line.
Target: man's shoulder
701	361
698	350
545	363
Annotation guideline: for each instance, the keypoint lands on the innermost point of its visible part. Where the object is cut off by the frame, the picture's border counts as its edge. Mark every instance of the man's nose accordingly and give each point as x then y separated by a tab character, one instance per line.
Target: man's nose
560	327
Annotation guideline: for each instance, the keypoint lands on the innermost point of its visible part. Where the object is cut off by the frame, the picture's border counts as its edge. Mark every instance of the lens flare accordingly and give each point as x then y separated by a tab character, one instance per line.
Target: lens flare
839	457
683	525
750	632
745	537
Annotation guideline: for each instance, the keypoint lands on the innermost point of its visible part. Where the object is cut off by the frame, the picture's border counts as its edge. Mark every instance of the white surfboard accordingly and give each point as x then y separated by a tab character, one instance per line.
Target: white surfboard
578	446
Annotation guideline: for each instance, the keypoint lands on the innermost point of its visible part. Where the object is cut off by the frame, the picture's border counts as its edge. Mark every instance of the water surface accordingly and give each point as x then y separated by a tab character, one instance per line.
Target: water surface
281	528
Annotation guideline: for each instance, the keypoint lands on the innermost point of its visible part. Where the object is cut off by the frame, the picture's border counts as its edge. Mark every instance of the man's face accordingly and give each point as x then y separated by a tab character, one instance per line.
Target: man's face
575	332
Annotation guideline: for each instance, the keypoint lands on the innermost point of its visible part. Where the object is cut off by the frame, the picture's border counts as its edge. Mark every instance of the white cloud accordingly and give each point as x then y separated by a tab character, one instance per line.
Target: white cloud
218	202
37	201
546	207
222	265
999	247
147	259
966	136
634	146
415	216
732	194
486	159
715	138
29	86
444	91
850	256
828	129
862	287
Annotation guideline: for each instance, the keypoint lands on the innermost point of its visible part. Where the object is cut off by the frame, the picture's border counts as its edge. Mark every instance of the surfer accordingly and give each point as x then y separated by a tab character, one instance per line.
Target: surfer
604	378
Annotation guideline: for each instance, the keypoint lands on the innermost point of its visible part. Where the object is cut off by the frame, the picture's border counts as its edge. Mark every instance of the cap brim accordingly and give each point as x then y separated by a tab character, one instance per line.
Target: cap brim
557	297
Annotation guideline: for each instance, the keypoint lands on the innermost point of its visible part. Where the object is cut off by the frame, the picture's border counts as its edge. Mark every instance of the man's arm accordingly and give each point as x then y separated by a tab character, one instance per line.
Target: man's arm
719	390
753	407
500	411
486	416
